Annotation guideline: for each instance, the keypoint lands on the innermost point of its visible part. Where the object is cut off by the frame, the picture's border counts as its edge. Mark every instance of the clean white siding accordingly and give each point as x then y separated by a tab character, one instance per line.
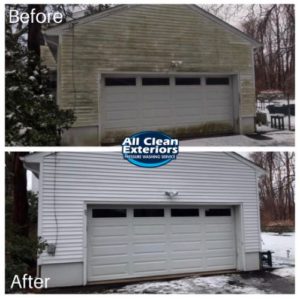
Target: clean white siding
105	177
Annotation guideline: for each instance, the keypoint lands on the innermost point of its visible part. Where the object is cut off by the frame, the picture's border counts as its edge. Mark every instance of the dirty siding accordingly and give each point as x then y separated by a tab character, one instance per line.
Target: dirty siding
147	38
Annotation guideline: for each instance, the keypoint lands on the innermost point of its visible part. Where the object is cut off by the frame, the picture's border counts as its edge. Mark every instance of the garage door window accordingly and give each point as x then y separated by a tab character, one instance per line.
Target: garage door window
187	81
218	212
185	212
120	81
145	212
155	81
217	81
109	213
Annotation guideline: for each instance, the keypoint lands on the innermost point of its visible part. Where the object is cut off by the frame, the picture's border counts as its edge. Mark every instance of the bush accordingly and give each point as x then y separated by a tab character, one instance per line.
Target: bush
21	255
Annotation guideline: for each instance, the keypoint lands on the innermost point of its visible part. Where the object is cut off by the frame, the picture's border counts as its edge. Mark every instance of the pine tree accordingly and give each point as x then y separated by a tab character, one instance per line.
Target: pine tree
32	115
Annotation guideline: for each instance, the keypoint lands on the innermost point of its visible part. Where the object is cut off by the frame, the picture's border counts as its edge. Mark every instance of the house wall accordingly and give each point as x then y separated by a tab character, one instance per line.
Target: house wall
71	180
146	38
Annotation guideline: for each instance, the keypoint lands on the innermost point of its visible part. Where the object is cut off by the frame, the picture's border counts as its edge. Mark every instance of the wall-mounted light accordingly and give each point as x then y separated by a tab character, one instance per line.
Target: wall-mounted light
175	64
171	194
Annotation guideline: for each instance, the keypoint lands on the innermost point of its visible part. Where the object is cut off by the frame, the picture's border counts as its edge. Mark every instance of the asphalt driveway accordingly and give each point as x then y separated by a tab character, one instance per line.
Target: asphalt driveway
258	282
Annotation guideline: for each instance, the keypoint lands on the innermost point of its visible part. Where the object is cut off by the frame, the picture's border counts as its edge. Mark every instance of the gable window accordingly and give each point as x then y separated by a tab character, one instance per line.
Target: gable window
218	212
109	213
187	81
155	81
147	212
120	81
185	212
217	81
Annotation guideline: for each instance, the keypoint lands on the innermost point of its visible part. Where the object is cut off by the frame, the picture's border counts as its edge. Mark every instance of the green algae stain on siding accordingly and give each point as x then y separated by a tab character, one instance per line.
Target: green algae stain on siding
146	38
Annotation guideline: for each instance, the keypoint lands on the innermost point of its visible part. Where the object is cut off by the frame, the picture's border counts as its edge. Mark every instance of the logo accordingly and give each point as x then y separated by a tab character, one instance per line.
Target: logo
150	149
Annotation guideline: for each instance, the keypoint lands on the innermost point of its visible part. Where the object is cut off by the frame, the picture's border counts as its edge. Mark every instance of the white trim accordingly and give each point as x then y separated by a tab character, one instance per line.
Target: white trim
243	237
249	163
258	213
40	209
85	235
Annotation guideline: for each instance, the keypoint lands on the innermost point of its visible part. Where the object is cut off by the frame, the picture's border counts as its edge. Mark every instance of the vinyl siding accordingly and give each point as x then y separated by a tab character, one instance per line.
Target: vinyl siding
72	179
146	38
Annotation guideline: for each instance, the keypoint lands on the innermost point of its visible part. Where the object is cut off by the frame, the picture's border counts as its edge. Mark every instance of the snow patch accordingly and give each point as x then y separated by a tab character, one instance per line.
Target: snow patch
282	246
13	88
23	130
284	272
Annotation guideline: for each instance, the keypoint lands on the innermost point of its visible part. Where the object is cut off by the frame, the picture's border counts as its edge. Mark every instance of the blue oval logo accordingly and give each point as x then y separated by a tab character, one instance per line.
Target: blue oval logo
150	149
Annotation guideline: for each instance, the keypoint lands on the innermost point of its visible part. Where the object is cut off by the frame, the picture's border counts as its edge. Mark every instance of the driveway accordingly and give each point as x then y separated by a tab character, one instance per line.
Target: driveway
270	138
258	282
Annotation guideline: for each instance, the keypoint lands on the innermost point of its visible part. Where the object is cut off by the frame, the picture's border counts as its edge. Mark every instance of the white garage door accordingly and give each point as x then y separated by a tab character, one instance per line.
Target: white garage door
137	242
138	103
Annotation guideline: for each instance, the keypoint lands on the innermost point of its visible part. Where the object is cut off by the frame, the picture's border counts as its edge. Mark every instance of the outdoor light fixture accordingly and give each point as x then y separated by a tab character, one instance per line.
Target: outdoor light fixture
171	194
176	63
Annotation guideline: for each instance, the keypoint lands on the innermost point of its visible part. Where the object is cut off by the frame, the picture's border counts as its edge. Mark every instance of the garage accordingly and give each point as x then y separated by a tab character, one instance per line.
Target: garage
130	242
135	103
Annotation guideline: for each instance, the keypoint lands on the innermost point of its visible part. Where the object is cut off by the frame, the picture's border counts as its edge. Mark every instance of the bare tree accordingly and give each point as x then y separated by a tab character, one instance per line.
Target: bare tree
277	186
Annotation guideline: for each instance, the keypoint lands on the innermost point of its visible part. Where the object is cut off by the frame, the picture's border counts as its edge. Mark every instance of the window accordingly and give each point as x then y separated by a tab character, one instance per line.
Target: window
187	81
218	212
185	212
145	212
217	81
120	81
109	213
156	81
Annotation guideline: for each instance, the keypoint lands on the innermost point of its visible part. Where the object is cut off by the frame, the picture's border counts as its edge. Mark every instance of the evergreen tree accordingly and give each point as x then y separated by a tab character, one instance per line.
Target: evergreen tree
32	115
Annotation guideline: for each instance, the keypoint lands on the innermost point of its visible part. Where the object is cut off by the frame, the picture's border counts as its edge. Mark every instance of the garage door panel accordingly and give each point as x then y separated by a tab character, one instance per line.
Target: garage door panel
187	237
216	227
219	244
109	260
218	236
109	231
219	252
180	246
149	229
113	270
149	248
185	229
187	264
146	257
190	254
109	250
228	261
111	240
160	265
154	112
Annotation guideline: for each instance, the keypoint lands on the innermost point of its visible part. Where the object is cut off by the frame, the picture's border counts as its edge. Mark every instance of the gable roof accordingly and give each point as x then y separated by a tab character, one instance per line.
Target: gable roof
32	161
58	29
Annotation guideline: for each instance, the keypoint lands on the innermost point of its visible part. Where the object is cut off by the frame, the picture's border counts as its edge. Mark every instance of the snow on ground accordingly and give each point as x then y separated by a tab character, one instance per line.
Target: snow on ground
270	138
284	272
222	284
282	246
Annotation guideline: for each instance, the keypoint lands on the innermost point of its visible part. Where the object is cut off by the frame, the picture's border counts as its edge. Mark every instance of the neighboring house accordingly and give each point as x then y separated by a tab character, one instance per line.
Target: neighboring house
173	68
109	220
